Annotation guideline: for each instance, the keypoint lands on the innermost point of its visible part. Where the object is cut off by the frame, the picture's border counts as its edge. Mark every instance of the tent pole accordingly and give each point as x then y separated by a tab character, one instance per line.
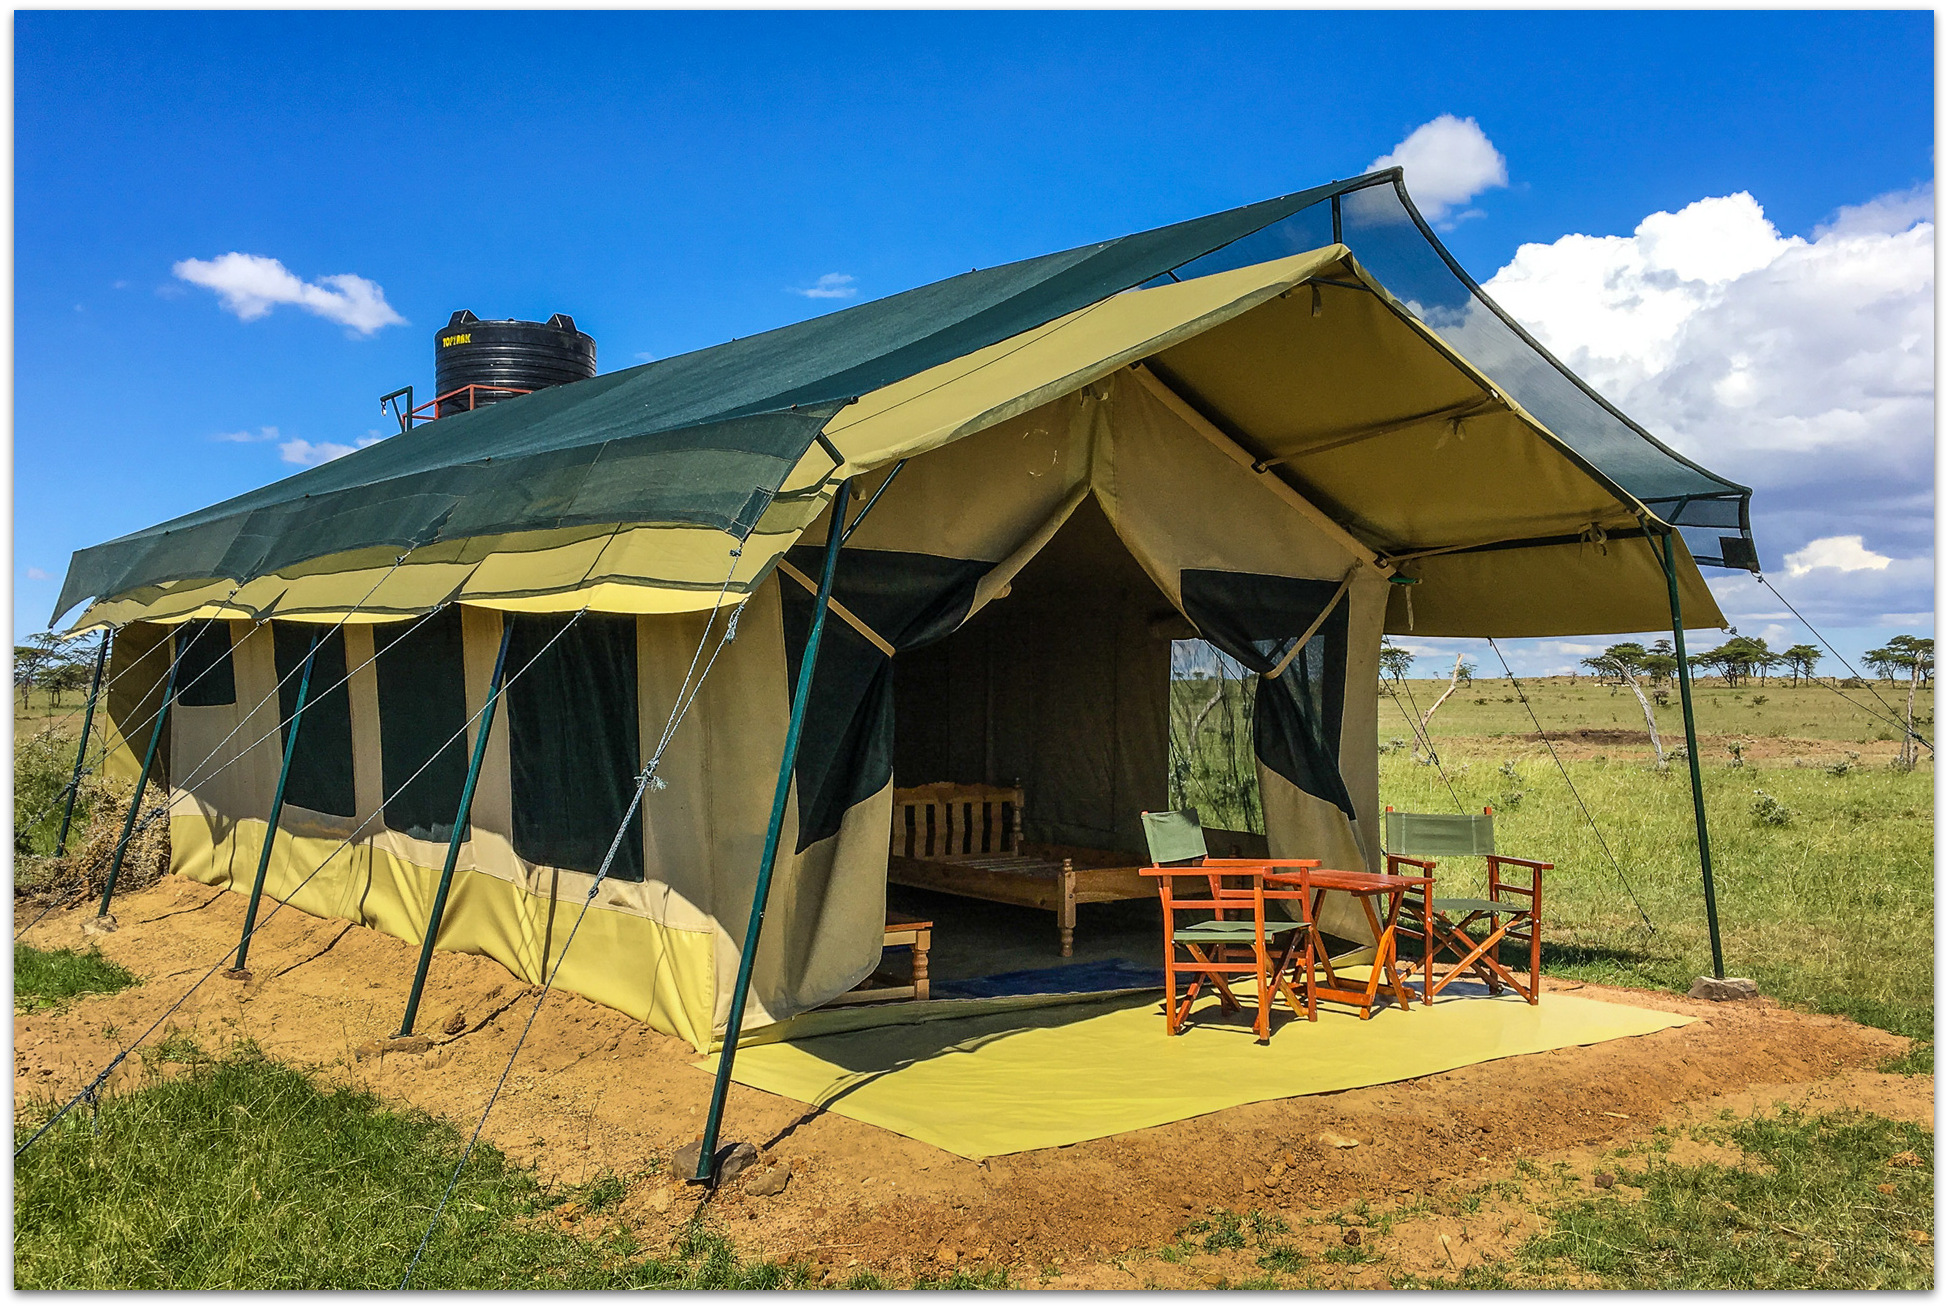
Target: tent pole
454	840
835	534
277	808
141	783
1691	753
81	750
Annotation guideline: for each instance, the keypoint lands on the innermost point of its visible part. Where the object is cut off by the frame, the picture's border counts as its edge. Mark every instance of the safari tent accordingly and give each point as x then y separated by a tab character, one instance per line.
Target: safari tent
1286	429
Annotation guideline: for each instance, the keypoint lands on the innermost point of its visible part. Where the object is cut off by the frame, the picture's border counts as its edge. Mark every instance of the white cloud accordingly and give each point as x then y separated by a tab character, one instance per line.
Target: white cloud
1447	162
251	285
1842	553
307	455
832	286
1801	367
247	437
1894	212
37	574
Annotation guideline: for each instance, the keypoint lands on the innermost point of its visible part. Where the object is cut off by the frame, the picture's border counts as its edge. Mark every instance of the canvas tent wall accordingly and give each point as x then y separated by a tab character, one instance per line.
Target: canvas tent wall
1270	439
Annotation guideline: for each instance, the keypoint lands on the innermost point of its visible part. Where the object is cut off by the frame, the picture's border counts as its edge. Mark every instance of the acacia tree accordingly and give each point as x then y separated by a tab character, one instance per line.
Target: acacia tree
70	675
1802	660
37	660
1903	656
1736	658
1913	655
1659	663
1395	662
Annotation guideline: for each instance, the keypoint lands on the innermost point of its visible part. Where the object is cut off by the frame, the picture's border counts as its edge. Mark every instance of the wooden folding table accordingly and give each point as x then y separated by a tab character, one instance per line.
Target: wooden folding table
1366	887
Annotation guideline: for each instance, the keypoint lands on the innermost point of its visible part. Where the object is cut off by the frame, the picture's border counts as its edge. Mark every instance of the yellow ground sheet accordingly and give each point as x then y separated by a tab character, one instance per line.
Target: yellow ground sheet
1003	1083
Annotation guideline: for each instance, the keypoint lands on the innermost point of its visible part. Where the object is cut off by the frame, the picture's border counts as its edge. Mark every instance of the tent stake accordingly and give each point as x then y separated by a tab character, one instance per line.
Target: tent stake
81	750
277	808
1691	753
458	835
141	782
835	535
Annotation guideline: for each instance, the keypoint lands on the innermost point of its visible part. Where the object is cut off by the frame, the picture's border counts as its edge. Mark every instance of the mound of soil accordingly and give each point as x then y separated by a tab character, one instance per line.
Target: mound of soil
594	1091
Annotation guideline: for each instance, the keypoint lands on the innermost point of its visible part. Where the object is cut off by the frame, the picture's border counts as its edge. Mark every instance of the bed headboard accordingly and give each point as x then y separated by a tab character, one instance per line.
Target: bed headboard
944	820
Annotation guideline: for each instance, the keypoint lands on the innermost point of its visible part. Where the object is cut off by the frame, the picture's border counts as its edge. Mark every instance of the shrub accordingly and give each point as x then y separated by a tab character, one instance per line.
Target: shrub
1769	812
43	763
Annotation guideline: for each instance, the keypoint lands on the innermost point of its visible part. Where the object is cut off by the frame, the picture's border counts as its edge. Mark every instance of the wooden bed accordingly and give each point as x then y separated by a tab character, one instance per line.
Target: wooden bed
966	840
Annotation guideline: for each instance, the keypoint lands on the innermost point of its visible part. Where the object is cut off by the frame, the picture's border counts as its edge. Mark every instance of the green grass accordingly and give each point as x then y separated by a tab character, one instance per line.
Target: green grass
239	1173
48	978
1821	1204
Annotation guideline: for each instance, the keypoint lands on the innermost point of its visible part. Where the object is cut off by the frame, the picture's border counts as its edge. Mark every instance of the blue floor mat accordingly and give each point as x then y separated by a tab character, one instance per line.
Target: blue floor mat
1070	978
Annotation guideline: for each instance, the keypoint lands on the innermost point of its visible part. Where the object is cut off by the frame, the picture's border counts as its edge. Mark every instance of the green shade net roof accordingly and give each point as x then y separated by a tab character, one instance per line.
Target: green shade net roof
707	438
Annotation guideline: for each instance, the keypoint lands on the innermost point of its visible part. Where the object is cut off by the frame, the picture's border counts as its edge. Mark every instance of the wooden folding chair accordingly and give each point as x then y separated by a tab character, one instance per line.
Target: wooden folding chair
1512	913
1273	951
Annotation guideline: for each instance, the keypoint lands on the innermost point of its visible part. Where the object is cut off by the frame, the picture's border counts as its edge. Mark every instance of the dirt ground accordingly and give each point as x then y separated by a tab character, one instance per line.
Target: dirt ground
594	1090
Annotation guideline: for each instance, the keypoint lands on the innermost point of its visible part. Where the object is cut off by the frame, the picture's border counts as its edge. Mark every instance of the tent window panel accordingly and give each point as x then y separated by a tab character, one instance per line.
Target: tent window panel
321	766
1296	715
205	678
422	702
846	754
573	744
1213	700
1299	713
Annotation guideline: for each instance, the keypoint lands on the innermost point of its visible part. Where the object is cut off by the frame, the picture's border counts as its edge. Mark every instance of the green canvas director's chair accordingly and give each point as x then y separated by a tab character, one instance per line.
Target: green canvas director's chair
1271	952
1511	913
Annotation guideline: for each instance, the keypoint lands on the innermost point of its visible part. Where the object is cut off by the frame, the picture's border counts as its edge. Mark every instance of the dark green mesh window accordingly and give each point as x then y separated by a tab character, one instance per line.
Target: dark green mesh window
422	702
573	745
321	767
205	678
1296	716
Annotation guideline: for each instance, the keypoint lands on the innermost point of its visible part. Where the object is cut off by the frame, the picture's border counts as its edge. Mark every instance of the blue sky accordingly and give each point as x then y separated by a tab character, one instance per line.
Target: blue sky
674	180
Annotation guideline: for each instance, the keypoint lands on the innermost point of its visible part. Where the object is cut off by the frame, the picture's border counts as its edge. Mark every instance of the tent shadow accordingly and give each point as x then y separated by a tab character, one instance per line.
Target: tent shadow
878	1052
870	1055
1559	955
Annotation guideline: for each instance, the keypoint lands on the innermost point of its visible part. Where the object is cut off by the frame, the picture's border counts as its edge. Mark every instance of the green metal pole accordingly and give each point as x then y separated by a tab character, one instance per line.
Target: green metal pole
141	783
81	750
800	701
277	809
459	830
1691	753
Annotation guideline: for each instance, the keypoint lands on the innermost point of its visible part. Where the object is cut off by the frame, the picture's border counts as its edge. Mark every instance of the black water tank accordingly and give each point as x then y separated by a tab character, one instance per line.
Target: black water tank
506	352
